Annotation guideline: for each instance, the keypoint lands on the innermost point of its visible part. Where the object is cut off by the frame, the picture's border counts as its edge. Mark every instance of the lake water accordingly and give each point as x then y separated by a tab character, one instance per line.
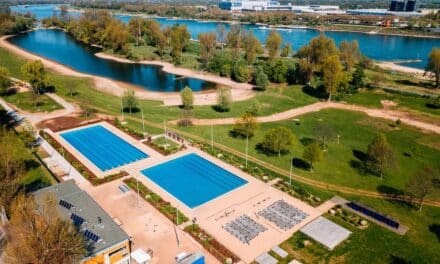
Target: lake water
375	46
61	47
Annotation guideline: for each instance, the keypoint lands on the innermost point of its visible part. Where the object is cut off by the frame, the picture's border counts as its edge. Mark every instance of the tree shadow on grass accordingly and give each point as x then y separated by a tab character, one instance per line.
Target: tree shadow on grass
305	141
435	228
260	149
31	164
388	190
35	185
133	110
398	260
300	163
318	92
360	162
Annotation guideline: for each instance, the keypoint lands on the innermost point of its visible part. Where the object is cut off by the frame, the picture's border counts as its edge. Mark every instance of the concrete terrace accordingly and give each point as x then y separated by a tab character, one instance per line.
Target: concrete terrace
147	226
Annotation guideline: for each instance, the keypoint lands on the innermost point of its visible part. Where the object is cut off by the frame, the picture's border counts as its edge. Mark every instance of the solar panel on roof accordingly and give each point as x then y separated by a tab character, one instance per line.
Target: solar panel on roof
77	220
65	204
92	236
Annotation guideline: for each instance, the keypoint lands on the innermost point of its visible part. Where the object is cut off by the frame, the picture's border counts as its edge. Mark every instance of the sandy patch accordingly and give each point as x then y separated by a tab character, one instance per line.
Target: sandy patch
417	73
239	91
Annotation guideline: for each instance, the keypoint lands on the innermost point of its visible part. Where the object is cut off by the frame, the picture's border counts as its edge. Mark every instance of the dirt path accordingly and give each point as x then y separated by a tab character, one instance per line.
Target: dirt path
292	113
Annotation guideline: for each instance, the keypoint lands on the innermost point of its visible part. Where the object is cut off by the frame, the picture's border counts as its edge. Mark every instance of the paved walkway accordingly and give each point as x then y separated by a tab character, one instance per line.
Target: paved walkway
379	113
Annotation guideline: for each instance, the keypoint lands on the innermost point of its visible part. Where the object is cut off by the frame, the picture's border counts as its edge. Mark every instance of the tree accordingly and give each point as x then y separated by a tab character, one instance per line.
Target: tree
240	71
357	79
350	54
273	43
234	40
312	153
380	154
116	36
39	235
332	75
421	183
187	97
260	78
286	50
245	126
130	101
207	46
278	140
252	47
35	74
305	71
180	37
318	50
324	133
136	27
278	71
434	65
221	34
224	99
11	169
5	81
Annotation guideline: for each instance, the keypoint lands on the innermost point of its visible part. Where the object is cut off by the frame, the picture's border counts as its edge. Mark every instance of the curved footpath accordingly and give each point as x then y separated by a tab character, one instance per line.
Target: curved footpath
239	91
379	113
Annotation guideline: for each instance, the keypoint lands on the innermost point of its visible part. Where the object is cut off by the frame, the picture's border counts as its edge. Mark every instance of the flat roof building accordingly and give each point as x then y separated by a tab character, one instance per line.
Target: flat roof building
109	244
258	5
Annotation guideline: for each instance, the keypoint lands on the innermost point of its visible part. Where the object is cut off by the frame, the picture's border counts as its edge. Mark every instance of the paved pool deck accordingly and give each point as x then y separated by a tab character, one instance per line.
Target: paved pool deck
211	216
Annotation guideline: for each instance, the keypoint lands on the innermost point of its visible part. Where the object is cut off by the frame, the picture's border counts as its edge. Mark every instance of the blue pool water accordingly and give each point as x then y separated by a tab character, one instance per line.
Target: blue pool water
102	147
193	180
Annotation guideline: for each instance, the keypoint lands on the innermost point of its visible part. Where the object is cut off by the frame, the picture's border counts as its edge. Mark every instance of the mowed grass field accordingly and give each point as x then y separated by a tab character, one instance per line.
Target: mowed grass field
25	101
412	148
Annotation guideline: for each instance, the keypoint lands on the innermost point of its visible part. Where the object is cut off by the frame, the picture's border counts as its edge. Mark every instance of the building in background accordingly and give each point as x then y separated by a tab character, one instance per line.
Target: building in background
257	5
404	6
109	243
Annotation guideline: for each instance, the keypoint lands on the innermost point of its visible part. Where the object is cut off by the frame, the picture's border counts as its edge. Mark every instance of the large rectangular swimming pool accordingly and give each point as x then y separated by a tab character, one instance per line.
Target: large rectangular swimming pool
103	148
193	180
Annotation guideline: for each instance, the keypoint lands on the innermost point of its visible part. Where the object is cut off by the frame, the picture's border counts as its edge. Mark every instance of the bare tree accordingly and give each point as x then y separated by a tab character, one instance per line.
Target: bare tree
420	184
38	235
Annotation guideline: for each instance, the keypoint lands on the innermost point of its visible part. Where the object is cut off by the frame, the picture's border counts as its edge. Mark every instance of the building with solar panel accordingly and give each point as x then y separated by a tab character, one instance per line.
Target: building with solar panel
109	244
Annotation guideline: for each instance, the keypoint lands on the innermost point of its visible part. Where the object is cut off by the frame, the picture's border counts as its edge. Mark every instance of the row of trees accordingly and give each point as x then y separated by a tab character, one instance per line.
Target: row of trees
13	24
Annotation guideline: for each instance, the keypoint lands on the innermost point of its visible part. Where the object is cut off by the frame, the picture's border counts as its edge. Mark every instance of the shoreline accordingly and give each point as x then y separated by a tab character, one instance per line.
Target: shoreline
117	88
393	66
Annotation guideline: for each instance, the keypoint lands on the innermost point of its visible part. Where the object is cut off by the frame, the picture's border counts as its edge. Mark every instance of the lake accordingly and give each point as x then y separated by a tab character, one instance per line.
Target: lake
63	48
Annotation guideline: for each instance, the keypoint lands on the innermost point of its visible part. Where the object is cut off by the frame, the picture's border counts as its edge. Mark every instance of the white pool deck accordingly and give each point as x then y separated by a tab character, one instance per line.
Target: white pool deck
211	216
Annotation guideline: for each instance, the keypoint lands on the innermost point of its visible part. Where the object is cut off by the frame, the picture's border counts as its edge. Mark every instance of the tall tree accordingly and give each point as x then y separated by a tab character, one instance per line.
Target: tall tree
187	97
260	78
421	184
434	65
278	140
312	153
350	54
380	154
246	125
318	50
305	71
332	75
35	74
116	36
221	34
224	99
357	80
286	50
252	47
11	169
208	43
273	44
179	39
324	133
234	40
130	101
39	235
5	81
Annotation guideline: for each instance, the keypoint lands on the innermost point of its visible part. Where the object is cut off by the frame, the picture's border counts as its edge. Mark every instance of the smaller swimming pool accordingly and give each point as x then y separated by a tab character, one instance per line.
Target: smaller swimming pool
103	148
193	180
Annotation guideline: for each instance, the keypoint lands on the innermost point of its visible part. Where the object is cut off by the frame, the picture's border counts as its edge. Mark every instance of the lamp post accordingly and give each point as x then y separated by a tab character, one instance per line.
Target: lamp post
247	148
212	137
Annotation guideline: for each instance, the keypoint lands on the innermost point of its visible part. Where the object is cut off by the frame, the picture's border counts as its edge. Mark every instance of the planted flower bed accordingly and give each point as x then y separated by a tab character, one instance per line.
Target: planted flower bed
155	200
164	147
349	217
214	247
81	168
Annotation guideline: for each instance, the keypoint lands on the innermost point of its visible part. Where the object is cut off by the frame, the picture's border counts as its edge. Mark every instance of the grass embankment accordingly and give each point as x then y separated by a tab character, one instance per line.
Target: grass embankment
26	102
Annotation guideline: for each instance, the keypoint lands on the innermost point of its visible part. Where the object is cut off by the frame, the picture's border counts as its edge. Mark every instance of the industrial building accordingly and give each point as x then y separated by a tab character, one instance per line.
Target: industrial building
256	5
404	6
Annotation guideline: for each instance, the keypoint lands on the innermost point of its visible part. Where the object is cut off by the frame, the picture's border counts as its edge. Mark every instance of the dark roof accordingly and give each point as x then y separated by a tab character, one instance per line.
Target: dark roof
86	213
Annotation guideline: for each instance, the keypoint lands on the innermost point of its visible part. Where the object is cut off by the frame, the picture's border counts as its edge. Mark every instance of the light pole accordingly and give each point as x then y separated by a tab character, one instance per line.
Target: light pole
137	187
122	109
247	147
143	122
212	137
290	173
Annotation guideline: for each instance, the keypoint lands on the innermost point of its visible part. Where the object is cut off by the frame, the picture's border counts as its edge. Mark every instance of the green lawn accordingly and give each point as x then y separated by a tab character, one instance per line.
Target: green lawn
412	148
376	244
26	102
